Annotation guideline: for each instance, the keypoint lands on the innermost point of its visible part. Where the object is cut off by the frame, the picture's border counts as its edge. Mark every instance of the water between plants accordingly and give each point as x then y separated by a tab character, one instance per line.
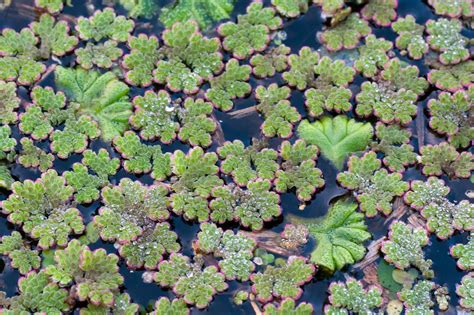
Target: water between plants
299	32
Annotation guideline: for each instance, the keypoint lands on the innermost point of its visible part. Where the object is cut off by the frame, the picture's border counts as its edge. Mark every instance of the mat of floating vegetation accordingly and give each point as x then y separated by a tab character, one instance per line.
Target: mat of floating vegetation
236	157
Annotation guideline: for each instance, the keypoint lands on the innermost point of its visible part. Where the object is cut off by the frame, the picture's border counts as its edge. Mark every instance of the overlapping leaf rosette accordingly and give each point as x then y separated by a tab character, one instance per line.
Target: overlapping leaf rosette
44	210
442	216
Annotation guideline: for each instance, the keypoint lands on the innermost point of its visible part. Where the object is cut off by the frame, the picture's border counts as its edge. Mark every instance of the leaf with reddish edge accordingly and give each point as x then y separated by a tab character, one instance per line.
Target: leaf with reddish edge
418	299
274	60
245	164
284	280
453	77
140	62
176	307
451	115
189	58
443	216
374	188
277	111
148	250
445	37
404	248
444	159
9	102
251	32
288	306
346	34
465	291
351	296
129	208
155	116
230	84
37	294
464	253
299	170
382	12
197	124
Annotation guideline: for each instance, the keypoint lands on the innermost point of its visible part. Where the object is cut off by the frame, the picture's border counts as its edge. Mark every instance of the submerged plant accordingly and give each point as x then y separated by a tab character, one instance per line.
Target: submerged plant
464	253
445	37
274	60
404	248
374	188
340	235
235	250
195	283
346	34
336	137
443	158
465	291
451	115
277	111
284	280
93	274
22	256
418	300
245	164
102	96
251	32
190	58
43	209
394	144
299	170
410	37
442	215
204	12
393	98
351	296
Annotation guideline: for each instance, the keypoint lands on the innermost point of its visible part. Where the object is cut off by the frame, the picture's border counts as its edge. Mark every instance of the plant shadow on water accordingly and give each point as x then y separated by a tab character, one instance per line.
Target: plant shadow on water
299	32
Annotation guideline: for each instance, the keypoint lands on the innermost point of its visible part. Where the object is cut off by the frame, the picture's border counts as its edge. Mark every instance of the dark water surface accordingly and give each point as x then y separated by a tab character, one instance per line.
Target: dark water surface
300	32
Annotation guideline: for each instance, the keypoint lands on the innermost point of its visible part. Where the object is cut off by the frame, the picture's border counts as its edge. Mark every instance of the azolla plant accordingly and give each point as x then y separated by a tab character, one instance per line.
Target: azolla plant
233	164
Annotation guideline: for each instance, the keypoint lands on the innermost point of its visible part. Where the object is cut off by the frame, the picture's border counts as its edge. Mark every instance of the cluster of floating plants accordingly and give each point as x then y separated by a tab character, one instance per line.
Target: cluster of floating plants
114	135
